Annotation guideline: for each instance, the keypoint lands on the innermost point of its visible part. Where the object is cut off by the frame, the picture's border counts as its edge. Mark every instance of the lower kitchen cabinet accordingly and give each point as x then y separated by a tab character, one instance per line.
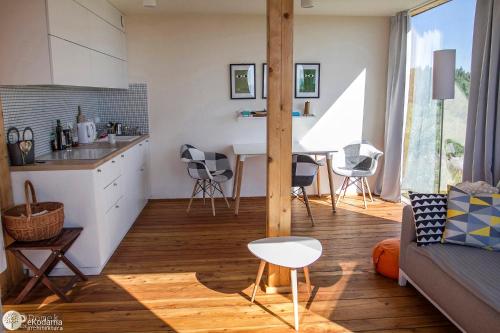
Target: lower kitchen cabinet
105	201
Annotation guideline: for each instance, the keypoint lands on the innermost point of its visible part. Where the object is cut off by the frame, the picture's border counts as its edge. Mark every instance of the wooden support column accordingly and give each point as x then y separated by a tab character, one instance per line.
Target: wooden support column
14	273
279	130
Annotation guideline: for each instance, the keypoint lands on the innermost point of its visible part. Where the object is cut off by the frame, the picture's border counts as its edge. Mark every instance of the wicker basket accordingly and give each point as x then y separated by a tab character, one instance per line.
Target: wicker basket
23	224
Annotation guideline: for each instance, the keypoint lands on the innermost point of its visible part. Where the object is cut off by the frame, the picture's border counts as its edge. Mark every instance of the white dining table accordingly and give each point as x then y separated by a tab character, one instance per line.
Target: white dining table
242	151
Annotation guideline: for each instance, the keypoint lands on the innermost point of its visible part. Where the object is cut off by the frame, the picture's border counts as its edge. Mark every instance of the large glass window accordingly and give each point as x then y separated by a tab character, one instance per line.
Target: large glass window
429	163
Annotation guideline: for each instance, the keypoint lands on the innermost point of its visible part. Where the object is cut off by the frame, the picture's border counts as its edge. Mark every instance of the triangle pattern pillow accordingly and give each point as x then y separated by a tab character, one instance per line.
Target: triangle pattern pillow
429	211
473	220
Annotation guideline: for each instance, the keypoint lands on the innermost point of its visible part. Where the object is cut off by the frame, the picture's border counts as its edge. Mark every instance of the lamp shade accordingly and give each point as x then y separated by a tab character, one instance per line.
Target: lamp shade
443	74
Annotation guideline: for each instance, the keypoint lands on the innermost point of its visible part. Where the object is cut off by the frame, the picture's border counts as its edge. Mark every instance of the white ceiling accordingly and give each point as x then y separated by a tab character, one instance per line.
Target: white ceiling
322	7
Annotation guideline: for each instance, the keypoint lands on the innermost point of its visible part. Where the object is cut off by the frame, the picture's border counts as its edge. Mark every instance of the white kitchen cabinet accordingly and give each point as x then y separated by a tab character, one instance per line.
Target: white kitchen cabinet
130	161
106	39
145	172
106	11
68	20
107	71
70	63
104	201
73	22
62	42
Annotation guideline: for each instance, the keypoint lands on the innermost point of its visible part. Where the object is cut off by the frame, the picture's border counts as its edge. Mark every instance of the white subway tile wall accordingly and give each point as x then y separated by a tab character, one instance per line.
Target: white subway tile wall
39	107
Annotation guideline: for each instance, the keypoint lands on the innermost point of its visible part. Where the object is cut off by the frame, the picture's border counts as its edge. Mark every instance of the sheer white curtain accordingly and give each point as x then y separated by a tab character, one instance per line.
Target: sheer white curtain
389	181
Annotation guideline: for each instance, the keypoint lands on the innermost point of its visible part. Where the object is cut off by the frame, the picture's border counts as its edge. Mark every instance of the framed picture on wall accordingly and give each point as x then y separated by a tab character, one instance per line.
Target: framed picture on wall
307	80
242	81
264	80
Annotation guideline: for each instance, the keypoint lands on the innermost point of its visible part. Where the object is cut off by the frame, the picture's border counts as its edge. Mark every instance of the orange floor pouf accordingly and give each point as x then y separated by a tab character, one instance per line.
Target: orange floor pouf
386	258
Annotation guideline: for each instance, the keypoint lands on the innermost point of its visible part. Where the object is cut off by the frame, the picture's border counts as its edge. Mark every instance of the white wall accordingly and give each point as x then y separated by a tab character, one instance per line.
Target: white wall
185	62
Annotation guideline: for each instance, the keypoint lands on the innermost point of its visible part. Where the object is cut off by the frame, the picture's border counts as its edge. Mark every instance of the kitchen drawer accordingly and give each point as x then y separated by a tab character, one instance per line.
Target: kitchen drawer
108	172
112	193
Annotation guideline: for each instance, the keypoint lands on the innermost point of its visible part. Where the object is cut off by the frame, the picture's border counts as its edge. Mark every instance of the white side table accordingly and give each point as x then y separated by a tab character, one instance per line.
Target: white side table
292	252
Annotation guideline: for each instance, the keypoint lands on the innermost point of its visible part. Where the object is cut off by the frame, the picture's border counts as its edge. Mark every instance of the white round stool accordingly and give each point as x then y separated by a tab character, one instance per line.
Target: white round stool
292	252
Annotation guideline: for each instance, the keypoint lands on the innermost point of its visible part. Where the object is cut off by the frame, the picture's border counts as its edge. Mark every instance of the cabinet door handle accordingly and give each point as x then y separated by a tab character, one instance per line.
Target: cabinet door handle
99	170
123	156
117	206
140	144
115	184
142	169
121	20
113	161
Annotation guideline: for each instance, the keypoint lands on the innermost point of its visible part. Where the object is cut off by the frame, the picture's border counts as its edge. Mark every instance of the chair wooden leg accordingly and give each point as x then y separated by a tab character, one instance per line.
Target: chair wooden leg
204	191
223	195
308	279
318	179
306	200
212	194
363	190
259	276
192	196
293	274
341	188
368	188
347	184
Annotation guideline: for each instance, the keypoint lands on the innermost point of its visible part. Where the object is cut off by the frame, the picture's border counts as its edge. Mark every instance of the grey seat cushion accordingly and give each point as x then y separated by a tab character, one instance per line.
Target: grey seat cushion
348	172
477	270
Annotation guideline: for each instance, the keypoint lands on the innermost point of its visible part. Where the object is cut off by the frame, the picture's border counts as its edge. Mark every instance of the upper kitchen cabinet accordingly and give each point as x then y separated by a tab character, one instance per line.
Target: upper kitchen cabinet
106	11
62	42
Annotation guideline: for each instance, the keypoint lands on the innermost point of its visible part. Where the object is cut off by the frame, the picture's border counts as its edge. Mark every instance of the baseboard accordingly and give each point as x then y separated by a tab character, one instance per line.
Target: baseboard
405	276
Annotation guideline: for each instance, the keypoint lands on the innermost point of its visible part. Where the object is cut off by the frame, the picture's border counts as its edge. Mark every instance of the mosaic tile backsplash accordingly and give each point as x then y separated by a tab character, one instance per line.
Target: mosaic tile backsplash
129	107
40	107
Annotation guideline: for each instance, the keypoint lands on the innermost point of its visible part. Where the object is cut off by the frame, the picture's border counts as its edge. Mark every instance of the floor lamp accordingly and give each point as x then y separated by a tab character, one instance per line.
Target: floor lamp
443	87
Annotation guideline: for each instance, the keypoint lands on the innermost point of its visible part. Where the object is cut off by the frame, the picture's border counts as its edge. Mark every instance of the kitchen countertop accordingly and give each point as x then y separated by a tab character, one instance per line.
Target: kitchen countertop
60	161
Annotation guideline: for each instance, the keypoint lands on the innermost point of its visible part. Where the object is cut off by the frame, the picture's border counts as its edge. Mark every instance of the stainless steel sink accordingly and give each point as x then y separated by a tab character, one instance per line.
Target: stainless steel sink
77	154
126	138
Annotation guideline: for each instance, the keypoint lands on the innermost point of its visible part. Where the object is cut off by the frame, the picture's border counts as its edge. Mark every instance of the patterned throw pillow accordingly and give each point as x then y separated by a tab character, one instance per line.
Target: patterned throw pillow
473	220
430	216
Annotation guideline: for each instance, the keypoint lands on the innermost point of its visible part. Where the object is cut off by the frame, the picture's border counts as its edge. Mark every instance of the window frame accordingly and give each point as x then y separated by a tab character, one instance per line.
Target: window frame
427	6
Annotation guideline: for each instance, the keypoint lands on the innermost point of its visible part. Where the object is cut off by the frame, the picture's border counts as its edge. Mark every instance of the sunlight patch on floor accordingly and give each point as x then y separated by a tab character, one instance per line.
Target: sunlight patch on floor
277	307
354	203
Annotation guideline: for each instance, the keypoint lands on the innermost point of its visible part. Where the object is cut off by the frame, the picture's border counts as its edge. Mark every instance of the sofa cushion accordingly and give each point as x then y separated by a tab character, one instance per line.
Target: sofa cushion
429	211
476	270
473	220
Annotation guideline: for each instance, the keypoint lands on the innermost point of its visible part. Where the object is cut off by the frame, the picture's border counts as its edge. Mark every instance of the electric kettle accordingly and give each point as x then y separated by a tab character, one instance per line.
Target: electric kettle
87	132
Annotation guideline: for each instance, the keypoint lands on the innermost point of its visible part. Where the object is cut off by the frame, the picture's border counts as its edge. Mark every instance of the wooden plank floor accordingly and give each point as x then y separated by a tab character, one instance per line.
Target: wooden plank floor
174	272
